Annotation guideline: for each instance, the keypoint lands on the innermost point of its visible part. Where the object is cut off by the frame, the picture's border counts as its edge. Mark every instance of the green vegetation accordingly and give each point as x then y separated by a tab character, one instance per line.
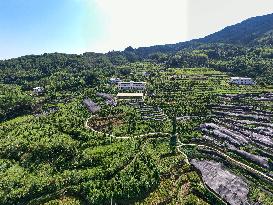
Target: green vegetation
50	156
53	151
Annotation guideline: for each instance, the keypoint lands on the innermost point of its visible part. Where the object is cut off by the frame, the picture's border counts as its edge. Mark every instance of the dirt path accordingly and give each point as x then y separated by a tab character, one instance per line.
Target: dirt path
242	165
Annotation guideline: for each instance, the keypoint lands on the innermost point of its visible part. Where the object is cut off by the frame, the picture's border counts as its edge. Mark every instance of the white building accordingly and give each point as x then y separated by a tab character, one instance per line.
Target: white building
130	96
38	90
131	85
241	81
115	80
146	74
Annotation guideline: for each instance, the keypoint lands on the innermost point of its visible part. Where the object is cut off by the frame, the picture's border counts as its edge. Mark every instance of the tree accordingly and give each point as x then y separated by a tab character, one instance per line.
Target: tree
132	123
173	139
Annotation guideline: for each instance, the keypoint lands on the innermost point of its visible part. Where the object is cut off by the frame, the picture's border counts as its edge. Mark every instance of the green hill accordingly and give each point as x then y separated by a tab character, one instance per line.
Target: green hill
244	49
250	32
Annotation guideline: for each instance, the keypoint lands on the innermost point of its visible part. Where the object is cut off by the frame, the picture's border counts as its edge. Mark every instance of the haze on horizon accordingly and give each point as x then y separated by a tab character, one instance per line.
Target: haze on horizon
77	26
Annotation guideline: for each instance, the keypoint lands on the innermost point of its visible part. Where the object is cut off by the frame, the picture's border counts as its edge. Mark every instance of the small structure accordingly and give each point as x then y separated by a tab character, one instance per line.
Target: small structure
146	74
173	77
91	106
106	96
114	80
109	99
241	81
38	90
130	96
131	85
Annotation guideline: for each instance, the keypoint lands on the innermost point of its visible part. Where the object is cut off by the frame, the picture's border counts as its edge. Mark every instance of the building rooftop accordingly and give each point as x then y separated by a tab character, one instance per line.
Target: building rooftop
240	78
130	95
38	88
91	106
132	82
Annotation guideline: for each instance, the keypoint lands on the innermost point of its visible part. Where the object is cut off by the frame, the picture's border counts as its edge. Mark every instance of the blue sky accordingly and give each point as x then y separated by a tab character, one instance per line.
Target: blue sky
38	26
77	26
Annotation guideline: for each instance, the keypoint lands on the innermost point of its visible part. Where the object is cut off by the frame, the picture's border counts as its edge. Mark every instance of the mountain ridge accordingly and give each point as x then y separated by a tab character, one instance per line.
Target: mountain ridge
248	54
234	34
244	32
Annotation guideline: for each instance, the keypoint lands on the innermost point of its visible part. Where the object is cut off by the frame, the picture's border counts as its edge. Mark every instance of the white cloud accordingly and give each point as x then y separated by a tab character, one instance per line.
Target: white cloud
141	23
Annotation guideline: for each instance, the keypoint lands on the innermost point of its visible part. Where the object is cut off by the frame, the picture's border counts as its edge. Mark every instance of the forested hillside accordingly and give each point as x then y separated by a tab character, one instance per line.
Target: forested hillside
63	72
256	31
247	32
244	49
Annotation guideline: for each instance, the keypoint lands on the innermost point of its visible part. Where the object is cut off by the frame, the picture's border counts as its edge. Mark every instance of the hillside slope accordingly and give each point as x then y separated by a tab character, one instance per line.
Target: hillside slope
254	31
247	32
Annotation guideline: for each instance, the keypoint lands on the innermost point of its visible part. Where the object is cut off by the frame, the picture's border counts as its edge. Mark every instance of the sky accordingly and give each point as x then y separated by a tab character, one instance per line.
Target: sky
78	26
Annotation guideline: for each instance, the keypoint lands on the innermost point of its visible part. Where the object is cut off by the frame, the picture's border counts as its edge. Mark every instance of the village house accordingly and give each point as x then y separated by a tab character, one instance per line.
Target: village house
241	81
38	90
130	96
131	85
114	80
146	74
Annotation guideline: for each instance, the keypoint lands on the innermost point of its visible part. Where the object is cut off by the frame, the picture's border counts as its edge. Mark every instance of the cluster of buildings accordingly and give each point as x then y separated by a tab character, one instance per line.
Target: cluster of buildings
132	90
131	86
242	81
136	89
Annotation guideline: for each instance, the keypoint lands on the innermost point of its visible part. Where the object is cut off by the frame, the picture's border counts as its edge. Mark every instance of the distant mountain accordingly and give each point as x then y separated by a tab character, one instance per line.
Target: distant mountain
255	31
244	49
252	31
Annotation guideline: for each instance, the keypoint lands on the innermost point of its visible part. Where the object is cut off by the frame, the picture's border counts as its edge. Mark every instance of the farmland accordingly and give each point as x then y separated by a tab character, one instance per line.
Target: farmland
151	152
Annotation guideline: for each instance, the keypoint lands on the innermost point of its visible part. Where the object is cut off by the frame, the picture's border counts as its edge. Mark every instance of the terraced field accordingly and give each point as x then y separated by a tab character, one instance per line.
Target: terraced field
101	151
